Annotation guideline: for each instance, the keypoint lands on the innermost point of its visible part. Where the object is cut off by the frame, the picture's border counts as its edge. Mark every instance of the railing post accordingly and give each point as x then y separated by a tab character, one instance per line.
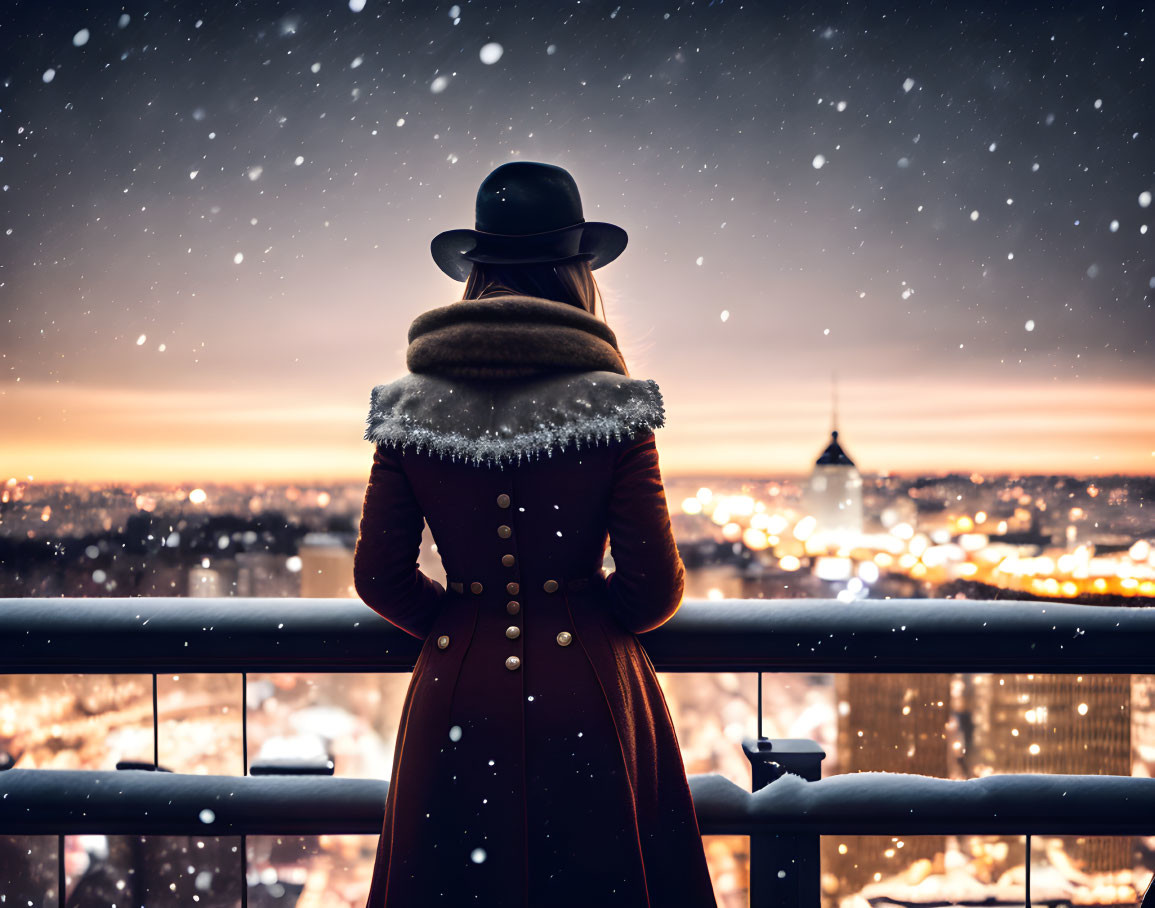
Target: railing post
245	772
785	870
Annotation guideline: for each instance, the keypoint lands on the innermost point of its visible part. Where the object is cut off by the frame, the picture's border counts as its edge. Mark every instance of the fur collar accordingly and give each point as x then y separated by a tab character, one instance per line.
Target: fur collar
498	422
511	336
496	380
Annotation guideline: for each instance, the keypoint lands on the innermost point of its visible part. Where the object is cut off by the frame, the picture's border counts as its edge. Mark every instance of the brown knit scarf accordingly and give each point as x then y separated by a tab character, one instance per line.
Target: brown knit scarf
511	336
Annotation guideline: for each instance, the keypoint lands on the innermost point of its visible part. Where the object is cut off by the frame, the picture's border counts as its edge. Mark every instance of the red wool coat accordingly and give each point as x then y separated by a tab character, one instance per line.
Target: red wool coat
536	763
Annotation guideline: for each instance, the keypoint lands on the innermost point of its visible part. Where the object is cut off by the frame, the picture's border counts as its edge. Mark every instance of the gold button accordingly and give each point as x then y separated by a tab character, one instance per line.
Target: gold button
475	587
512	662
564	638
512	588
503	500
503	531
513	606
507	560
513	632
550	586
443	641
457	587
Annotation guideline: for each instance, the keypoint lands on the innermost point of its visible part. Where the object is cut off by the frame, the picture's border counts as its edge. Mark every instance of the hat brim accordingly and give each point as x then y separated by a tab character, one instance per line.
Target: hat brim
455	251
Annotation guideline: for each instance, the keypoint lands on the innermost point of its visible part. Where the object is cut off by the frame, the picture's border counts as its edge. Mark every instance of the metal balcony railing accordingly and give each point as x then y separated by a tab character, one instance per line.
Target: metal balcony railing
783	816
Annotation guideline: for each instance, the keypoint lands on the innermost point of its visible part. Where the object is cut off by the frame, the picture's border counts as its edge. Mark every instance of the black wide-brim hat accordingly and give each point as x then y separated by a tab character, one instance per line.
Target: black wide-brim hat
527	213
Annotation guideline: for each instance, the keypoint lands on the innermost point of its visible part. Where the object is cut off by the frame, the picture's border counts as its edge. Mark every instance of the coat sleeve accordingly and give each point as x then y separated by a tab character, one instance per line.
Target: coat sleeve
646	585
385	570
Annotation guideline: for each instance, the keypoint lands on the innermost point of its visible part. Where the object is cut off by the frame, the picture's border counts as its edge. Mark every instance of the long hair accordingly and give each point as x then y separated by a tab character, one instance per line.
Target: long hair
569	282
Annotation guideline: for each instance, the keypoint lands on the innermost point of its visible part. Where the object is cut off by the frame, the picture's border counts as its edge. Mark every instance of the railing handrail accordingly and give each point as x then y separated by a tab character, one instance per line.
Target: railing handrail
75	802
127	635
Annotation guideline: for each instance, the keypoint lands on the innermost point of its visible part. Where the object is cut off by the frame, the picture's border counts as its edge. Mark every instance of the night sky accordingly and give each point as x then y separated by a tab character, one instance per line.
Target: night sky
215	223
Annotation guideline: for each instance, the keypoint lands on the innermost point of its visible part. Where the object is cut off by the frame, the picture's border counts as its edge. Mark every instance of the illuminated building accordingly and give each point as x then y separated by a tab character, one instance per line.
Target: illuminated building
889	723
834	496
1077	724
892	723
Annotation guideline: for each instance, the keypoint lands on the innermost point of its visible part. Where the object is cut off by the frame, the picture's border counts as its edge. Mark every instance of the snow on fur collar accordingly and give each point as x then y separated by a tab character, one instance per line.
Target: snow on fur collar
495	380
495	422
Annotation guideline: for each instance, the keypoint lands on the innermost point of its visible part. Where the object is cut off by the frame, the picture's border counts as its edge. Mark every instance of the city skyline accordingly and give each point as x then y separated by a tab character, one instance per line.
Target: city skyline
215	226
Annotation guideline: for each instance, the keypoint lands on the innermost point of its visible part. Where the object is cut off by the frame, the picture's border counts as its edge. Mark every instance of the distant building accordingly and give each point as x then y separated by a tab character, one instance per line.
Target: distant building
1077	724
264	575
205	583
887	723
834	496
326	567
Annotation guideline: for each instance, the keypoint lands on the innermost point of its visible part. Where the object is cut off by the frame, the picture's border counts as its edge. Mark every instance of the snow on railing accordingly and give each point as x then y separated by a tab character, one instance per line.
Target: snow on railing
792	635
784	818
107	802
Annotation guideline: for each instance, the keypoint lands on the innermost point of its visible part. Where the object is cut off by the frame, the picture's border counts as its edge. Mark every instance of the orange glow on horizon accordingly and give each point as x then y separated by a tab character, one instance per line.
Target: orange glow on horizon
60	433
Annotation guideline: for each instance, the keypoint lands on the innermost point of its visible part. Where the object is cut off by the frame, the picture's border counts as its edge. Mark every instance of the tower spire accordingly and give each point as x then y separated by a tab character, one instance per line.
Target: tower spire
834	403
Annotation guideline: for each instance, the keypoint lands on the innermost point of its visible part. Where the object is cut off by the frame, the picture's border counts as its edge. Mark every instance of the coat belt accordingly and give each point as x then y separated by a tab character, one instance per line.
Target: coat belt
570	586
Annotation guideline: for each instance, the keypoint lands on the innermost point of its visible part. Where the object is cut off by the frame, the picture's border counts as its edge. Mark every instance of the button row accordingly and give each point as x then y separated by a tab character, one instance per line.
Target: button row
512	632
504	531
513	587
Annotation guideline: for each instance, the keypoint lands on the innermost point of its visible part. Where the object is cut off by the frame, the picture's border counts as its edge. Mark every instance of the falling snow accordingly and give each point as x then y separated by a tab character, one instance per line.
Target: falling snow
136	219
